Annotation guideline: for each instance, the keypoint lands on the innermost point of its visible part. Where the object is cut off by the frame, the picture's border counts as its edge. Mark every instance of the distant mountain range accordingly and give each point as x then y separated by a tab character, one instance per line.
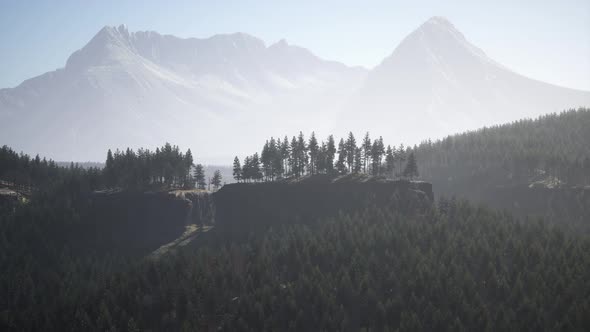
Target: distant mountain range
222	95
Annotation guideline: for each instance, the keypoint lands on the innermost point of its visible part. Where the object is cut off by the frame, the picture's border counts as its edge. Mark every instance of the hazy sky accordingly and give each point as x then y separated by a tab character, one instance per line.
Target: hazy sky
547	40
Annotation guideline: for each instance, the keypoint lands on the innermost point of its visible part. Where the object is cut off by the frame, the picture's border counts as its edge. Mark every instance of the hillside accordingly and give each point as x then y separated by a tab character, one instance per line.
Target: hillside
342	252
538	167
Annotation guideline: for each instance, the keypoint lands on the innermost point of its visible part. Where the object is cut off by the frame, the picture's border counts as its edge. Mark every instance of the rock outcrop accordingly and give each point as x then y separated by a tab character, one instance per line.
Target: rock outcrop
250	205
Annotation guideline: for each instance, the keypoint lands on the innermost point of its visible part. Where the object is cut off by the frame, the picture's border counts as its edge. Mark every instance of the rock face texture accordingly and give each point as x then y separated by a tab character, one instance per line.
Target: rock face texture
135	223
138	223
251	205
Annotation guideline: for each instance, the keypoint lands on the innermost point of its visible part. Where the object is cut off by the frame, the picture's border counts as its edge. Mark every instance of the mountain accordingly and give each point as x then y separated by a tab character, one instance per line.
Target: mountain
142	89
223	94
436	83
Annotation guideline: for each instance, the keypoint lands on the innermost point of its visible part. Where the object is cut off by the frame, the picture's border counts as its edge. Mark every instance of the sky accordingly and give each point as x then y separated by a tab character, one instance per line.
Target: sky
547	40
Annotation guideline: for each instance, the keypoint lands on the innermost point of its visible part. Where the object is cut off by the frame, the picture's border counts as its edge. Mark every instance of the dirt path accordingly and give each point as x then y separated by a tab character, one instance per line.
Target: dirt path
190	233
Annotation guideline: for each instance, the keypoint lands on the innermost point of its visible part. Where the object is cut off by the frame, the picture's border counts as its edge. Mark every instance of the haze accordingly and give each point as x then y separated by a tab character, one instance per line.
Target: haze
329	68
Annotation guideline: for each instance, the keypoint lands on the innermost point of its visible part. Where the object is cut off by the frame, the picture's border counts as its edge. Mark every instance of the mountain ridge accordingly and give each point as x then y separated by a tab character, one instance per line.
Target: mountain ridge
143	88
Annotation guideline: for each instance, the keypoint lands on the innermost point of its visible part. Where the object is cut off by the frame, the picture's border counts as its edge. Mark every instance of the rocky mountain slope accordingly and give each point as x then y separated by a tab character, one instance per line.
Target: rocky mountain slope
222	95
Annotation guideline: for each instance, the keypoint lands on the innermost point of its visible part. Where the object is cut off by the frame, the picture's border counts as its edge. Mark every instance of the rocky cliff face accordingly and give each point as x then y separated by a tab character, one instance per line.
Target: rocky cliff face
134	223
138	223
250	205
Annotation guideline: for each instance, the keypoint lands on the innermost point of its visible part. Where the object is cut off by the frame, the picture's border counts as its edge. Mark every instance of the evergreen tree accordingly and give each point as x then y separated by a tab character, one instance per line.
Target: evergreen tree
294	158
330	154
285	155
109	170
303	158
277	160
411	169
255	167
199	175
322	166
341	163
187	177
390	161
266	160
401	157
366	151
350	150
237	169
313	154
247	169
358	161
216	180
377	151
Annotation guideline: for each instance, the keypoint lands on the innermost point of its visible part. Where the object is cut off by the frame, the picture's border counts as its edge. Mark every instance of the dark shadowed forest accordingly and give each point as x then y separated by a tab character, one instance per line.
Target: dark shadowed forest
404	263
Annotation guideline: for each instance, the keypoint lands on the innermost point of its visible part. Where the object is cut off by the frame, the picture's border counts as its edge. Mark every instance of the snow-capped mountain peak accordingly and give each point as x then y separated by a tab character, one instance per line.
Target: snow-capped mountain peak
142	88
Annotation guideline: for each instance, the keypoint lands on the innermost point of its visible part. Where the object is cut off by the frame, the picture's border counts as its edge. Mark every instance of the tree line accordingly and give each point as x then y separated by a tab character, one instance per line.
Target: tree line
165	167
552	150
300	157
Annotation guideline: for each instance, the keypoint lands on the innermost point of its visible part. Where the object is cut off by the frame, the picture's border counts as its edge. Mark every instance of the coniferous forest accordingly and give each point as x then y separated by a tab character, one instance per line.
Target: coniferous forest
447	265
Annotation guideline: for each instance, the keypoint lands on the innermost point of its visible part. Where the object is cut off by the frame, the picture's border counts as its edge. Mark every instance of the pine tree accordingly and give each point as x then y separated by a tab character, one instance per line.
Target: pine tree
276	160
366	151
377	151
266	160
247	169
330	154
302	156
255	167
350	150
341	163
237	169
313	154
216	180
285	154
294	158
411	169
322	158
109	170
401	157
199	175
389	161
186	169
358	161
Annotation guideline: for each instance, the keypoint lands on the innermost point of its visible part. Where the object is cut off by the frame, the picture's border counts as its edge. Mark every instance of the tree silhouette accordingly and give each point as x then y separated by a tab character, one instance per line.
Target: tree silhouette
216	179
411	169
199	175
237	169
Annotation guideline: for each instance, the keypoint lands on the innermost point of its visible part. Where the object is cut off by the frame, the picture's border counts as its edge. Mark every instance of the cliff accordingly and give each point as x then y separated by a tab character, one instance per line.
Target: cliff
250	205
139	223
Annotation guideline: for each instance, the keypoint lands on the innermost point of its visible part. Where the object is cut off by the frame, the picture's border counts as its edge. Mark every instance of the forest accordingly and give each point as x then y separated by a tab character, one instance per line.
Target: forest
300	157
165	168
450	266
537	167
552	149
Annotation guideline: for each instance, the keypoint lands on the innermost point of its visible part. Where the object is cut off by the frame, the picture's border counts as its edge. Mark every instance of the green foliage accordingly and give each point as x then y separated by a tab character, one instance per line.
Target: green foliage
455	267
216	179
36	174
199	176
167	166
411	169
282	159
552	147
531	167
